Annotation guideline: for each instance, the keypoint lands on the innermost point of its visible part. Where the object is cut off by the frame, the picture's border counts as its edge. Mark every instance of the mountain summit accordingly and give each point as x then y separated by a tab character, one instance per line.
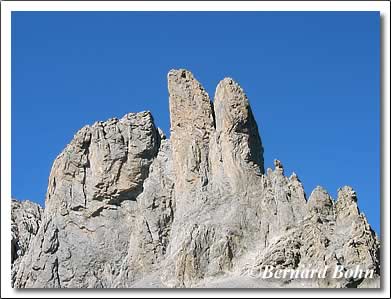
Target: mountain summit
127	207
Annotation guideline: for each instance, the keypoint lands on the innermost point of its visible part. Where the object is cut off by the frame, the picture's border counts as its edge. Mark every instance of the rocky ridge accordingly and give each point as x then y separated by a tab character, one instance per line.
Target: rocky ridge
127	207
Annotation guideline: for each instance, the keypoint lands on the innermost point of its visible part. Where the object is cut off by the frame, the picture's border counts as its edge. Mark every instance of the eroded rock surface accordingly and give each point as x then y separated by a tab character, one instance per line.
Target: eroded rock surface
26	218
91	205
127	207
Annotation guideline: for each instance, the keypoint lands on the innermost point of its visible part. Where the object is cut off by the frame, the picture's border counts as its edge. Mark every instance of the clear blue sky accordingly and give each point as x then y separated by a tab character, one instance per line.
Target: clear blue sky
312	79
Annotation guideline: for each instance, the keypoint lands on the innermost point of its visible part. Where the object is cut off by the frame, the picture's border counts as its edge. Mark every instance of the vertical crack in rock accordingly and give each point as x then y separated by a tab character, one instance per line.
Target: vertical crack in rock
86	146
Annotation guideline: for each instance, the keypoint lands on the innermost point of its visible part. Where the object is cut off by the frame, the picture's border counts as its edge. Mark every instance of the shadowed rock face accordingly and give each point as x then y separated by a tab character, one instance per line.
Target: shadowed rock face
236	129
126	207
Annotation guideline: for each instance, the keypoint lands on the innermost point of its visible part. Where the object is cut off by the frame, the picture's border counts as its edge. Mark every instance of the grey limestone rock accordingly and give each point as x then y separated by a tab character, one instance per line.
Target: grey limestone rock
128	207
26	218
91	205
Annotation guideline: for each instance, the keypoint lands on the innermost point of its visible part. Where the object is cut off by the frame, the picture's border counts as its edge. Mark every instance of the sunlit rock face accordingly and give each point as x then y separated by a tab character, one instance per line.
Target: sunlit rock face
127	207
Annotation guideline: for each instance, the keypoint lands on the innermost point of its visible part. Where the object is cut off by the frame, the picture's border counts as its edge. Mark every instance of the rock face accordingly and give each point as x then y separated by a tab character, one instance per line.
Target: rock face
127	207
91	205
25	222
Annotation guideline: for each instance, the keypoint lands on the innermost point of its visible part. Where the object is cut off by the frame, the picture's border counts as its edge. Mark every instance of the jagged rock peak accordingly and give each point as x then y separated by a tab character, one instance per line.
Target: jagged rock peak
128	207
346	204
278	164
294	177
347	194
320	194
236	126
190	105
91	205
106	161
192	124
231	106
320	202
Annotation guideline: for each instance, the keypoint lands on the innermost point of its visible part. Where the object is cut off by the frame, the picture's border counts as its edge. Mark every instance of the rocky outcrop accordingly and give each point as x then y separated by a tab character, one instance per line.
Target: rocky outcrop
321	241
127	207
91	205
192	123
237	143
150	234
26	219
25	222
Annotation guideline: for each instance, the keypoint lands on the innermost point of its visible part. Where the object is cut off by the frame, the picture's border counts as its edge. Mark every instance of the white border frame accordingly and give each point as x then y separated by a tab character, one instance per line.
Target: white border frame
6	10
